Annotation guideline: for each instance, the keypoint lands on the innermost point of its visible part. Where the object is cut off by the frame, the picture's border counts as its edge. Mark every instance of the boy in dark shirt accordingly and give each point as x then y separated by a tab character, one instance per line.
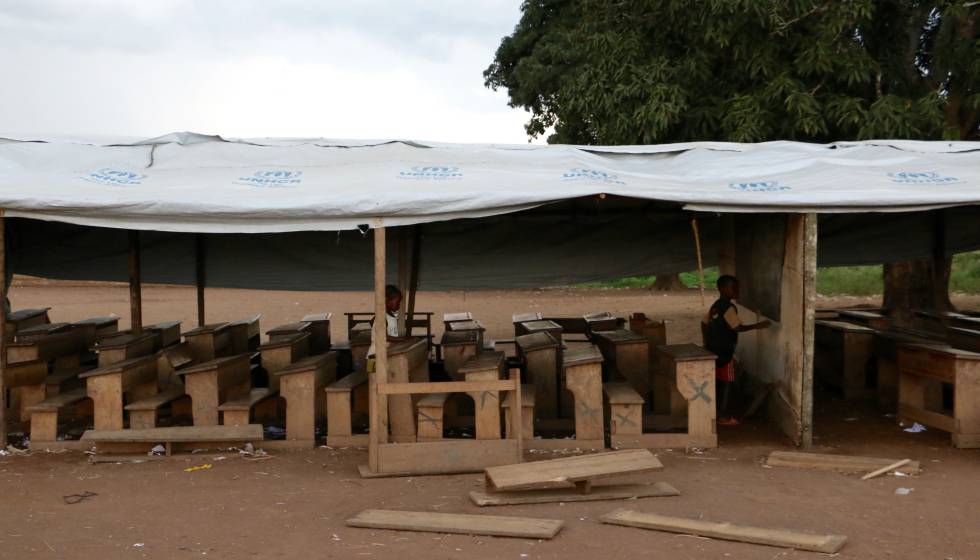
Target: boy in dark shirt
720	328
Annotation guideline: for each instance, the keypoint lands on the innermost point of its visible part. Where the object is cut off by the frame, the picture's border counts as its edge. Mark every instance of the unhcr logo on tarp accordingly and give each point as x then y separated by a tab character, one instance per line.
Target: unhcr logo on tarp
272	178
432	173
111	176
577	174
759	186
922	177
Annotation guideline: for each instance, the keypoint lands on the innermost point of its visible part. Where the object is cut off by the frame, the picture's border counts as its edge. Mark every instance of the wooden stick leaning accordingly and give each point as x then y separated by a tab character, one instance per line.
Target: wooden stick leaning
697	245
883	470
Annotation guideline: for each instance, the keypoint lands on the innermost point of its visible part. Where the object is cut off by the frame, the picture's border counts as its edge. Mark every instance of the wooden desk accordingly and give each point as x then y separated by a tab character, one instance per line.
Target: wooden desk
518	318
539	353
448	318
457	347
208	342
360	344
283	352
214	382
291	329
301	384
125	346
243	335
967	339
27	382
920	364
841	356
136	378
408	362
660	381
89	330
884	349
583	380
319	332
36	332
23	319
872	318
598	322
627	358
167	333
61	348
470	325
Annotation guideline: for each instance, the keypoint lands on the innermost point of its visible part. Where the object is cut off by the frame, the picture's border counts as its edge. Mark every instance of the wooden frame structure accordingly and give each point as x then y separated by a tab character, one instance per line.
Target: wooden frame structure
434	457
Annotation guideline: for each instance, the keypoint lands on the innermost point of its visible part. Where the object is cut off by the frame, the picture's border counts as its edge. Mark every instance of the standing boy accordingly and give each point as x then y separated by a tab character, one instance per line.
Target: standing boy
720	328
393	302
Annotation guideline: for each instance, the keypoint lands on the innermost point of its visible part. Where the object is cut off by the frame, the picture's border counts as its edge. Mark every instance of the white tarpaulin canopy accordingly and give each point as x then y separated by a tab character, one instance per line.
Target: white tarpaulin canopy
187	182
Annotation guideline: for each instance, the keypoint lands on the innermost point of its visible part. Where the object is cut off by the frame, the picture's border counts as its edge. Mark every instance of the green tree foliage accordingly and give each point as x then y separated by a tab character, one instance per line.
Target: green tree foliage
647	71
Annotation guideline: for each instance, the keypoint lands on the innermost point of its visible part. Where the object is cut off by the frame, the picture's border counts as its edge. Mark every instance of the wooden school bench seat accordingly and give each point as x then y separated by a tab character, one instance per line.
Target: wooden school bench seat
340	401
106	386
281	352
300	385
214	382
44	415
173	439
143	413
920	365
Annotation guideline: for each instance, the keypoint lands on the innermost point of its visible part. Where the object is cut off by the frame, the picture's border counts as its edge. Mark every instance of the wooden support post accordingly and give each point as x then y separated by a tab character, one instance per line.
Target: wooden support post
378	403
3	329
135	283
809	314
403	278
413	281
200	279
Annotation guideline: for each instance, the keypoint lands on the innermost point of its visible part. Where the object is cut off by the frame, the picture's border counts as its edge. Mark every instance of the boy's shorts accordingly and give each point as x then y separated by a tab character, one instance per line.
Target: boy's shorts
370	365
726	373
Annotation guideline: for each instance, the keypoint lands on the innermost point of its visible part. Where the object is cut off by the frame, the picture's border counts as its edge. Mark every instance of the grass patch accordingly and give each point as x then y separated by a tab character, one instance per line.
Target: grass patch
965	275
849	280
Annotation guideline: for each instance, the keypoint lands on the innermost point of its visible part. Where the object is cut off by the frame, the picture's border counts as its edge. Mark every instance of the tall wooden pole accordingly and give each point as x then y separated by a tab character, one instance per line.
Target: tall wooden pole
135	284
403	278
378	404
413	281
199	280
697	247
3	330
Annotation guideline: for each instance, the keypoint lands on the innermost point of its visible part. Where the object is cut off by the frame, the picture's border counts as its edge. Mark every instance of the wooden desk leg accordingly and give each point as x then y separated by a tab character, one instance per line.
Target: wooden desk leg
299	391
585	384
911	393
338	414
44	426
107	400
966	405
487	406
696	382
203	390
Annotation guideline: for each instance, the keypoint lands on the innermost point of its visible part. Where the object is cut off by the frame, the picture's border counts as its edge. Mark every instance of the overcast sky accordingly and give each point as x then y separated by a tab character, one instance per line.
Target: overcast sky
331	68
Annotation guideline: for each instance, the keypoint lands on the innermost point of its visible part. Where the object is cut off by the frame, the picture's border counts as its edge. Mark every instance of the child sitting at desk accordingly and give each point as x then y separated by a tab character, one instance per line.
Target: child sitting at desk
719	329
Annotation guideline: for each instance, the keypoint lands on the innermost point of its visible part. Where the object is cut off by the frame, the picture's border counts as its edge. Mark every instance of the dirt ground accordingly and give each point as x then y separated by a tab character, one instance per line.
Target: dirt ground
294	504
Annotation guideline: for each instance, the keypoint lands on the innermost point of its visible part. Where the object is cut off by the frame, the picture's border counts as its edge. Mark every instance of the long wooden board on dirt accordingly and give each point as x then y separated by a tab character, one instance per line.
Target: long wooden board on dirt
128	441
551	495
828	544
580	471
464	524
840	463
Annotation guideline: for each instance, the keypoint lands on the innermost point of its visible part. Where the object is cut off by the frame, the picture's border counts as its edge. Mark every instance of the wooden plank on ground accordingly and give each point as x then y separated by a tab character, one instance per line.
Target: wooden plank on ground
248	432
842	463
828	544
603	492
431	522
560	472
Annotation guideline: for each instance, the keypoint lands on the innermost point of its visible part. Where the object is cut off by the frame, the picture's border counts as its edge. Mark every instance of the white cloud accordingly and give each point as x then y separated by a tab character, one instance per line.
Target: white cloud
366	69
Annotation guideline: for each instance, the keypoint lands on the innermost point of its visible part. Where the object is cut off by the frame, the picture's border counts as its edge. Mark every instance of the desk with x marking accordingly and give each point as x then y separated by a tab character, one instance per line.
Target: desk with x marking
693	395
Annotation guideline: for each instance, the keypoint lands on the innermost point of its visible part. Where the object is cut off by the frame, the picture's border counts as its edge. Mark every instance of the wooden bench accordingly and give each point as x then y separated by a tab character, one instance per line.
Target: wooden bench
319	332
282	352
627	358
340	400
539	352
625	410
173	439
692	400
259	400
527	413
457	347
841	356
431	414
884	352
579	471
44	415
871	318
106	386
215	382
126	346
488	366
920	365
300	385
583	380
143	413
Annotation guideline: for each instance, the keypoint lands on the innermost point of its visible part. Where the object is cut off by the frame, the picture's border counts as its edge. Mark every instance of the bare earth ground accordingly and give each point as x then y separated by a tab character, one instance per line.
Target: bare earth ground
294	504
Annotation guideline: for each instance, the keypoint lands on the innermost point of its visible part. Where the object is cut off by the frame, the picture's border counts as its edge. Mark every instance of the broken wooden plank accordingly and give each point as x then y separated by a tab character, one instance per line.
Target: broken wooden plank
464	524
570	470
885	469
842	463
827	544
603	492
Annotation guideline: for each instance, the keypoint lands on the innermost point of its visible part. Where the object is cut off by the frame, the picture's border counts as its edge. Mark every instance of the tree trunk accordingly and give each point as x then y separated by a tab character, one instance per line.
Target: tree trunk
912	285
667	282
